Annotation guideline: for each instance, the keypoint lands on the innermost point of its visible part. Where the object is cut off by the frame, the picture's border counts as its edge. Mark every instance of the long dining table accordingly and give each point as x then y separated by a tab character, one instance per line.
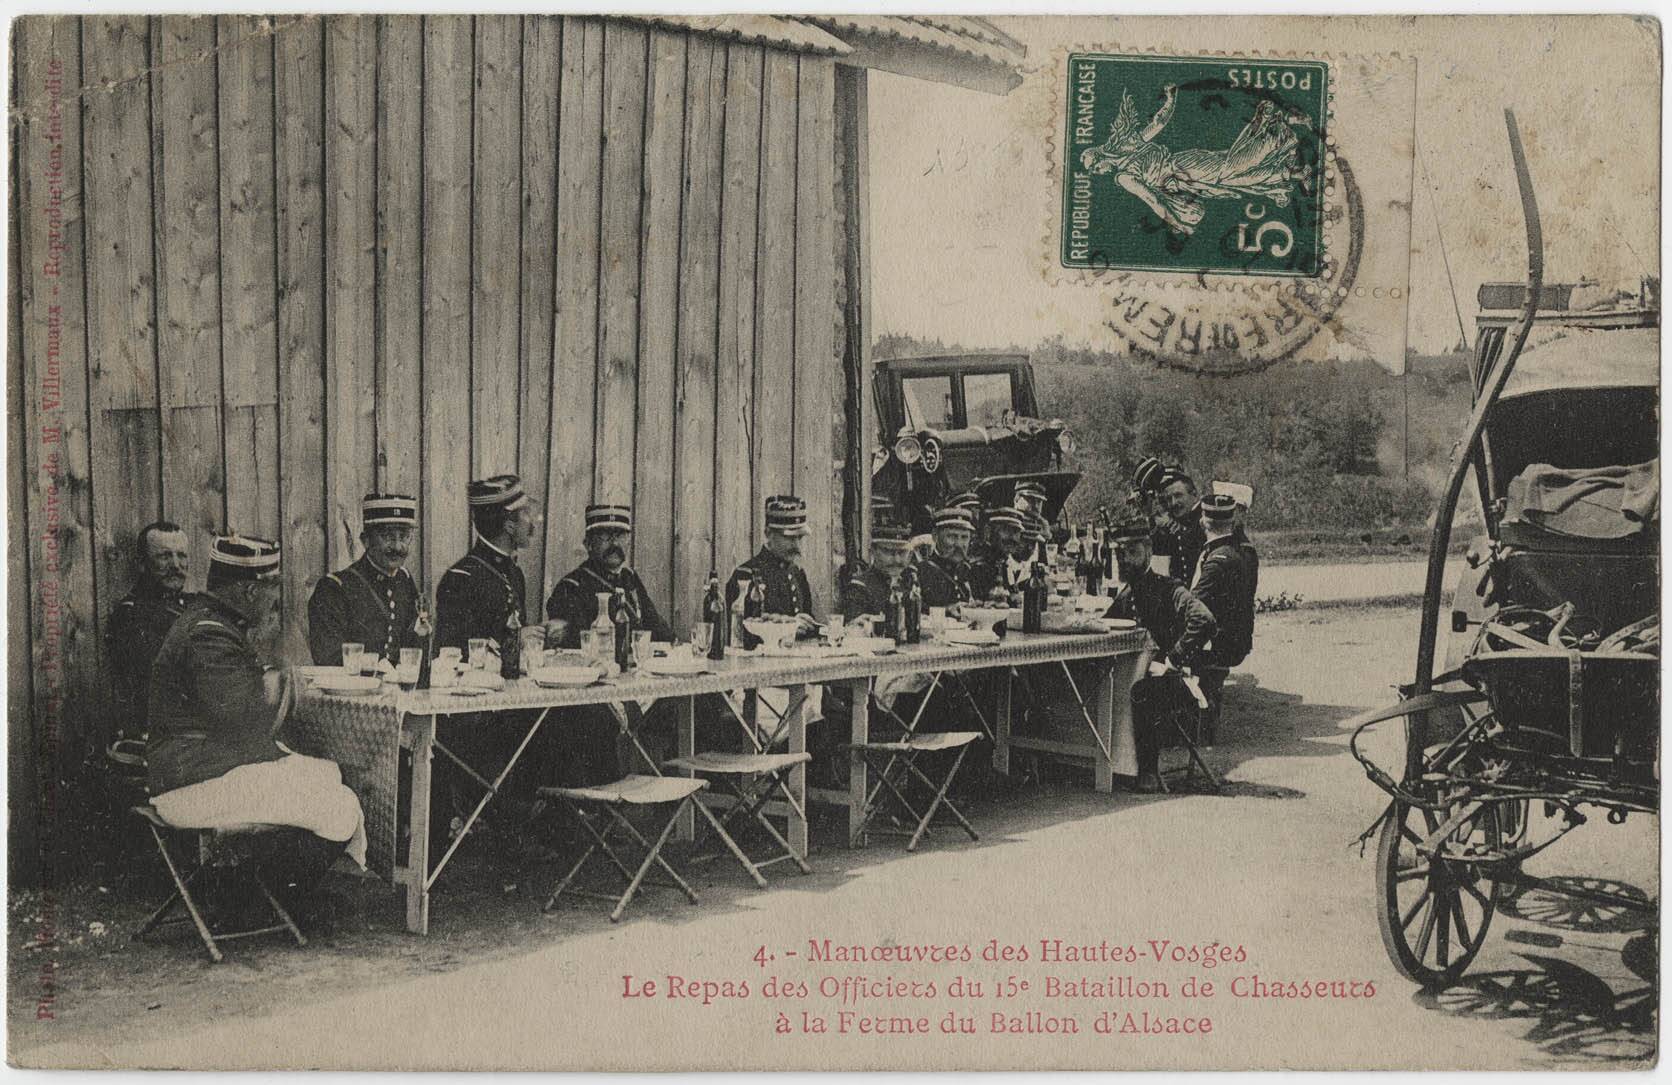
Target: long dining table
366	734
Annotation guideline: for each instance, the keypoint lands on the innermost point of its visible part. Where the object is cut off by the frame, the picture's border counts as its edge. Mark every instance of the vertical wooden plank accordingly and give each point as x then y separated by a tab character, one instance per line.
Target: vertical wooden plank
249	293
775	287
63	633
618	269
350	276
400	170
299	135
542	56
448	53
664	137
121	296
853	133
817	366
694	376
736	518
188	275
23	807
495	235
575	343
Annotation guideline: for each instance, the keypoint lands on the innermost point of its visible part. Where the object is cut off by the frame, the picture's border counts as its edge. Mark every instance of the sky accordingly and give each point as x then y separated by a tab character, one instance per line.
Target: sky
961	196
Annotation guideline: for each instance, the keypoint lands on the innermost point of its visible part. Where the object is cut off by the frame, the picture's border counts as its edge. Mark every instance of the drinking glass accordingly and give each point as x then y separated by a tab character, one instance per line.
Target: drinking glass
351	656
406	671
641	647
701	635
480	647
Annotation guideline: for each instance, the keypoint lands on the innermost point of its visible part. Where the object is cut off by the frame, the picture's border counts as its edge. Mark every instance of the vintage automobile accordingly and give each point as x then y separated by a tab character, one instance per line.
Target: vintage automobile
964	421
1549	701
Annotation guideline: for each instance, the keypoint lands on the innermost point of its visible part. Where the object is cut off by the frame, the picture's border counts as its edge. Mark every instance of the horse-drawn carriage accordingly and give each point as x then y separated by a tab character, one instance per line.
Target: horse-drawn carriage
1549	700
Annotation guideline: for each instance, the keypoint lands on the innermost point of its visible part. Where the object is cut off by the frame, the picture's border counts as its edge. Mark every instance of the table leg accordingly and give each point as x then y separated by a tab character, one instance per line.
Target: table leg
1124	671
418	846
859	733
1103	711
798	774
687	821
1001	725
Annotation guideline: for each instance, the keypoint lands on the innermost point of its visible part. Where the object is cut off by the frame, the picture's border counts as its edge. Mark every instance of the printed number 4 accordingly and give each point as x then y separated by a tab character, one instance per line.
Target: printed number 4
760	957
1279	248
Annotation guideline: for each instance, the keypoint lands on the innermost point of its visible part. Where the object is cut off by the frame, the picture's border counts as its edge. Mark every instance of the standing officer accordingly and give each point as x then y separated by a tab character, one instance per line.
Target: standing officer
1224	584
997	568
867	591
1181	628
1177	535
777	565
135	630
374	601
945	573
574	601
482	594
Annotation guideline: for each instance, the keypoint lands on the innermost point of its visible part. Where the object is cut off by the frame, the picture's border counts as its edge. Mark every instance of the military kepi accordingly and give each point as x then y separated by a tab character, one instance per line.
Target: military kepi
1005	518
954	516
1219	508
1148	473
240	557
787	515
612	517
502	491
1130	529
397	509
891	536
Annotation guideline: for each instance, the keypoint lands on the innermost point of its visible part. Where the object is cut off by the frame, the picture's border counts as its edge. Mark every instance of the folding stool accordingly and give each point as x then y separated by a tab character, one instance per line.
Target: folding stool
1184	724
217	848
751	780
905	753
670	792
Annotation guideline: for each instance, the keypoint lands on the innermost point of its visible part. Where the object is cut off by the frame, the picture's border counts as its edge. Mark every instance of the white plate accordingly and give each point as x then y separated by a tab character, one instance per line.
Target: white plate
875	645
1115	625
314	674
969	637
348	685
570	677
468	691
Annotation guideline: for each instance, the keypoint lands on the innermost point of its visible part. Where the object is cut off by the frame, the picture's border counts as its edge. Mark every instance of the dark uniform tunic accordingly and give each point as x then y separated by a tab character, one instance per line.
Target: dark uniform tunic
208	705
363	605
1181	543
787	590
990	570
477	596
133	636
865	592
945	582
575	600
1224	584
1181	628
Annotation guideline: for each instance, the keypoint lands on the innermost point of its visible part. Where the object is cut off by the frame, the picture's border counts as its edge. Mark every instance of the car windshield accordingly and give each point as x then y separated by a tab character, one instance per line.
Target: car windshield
928	402
987	396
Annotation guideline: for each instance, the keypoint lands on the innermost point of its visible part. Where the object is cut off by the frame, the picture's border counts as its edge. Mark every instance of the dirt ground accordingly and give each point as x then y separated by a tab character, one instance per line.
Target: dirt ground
1269	864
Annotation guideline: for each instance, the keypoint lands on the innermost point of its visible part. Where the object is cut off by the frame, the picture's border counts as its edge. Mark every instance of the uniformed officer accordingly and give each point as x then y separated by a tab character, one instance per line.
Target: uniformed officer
215	706
574	601
882	512
482	594
944	574
135	631
1177	534
1181	627
777	565
996	568
867	591
1224	584
375	600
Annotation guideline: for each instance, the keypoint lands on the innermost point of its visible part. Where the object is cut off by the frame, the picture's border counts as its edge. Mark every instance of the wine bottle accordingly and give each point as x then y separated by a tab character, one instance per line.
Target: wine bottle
893	615
1034	598
912	623
621	618
715	614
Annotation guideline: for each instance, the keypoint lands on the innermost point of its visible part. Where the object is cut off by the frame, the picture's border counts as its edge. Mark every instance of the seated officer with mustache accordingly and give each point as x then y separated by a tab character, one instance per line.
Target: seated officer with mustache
374	601
589	754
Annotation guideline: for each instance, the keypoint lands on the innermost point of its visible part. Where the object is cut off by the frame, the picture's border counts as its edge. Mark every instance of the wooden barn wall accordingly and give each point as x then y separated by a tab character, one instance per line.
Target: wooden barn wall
299	258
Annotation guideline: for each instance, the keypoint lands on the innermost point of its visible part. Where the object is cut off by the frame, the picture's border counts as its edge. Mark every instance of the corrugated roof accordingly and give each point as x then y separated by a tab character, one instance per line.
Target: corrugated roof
779	32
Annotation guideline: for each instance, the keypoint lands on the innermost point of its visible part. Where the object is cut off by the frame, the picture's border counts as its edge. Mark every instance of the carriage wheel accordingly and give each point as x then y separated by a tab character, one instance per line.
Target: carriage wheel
1434	912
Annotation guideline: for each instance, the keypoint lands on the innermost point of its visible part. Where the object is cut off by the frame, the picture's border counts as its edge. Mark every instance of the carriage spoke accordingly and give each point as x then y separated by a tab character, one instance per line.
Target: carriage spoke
1415	872
1442	948
1476	893
1427	932
1405	831
1427	893
1464	938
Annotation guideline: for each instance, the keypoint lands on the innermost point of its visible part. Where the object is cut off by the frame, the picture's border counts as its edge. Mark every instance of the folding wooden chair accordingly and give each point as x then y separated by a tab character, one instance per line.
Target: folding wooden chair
1183	727
217	849
904	753
750	781
611	800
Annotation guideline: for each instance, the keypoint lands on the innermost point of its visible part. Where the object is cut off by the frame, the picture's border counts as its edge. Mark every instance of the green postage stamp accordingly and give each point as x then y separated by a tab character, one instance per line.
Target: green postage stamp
1209	165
